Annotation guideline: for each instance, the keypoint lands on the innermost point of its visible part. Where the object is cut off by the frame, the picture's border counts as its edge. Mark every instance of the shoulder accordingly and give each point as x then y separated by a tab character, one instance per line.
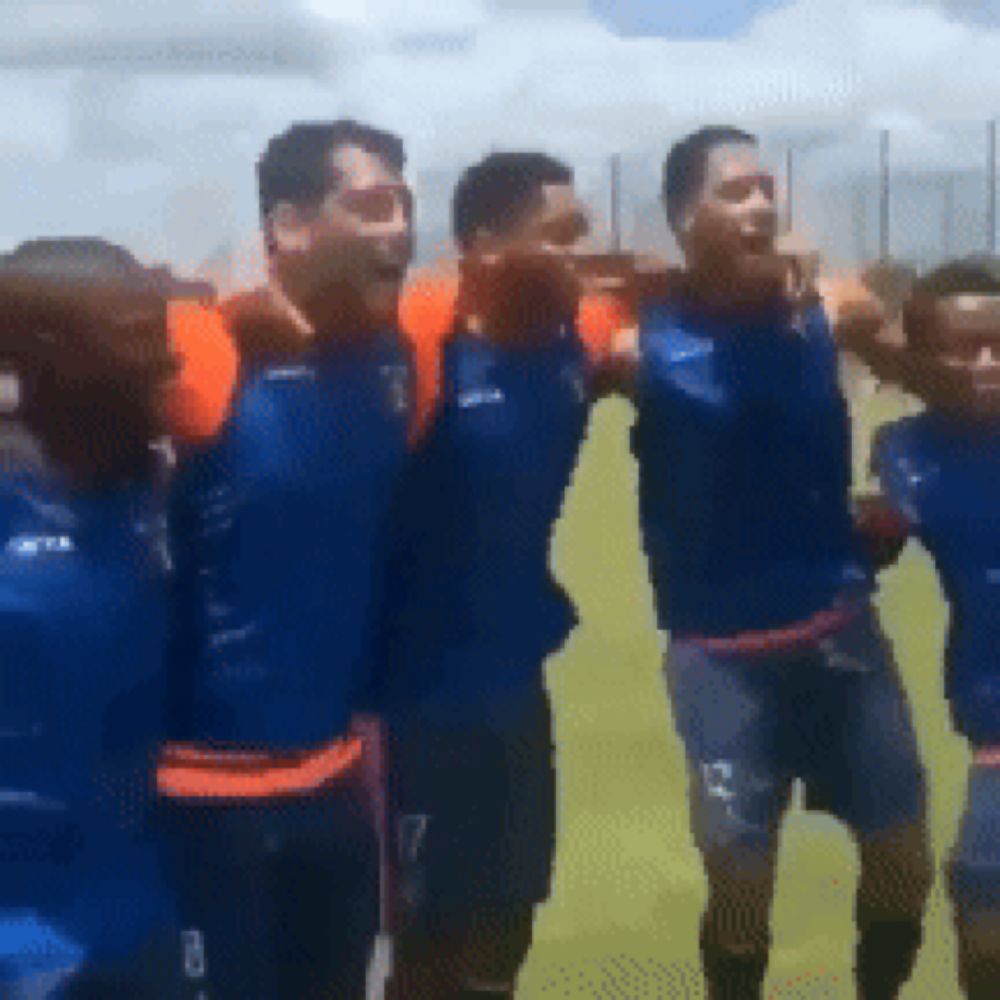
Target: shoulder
814	322
428	306
427	315
675	334
199	396
601	322
903	460
901	439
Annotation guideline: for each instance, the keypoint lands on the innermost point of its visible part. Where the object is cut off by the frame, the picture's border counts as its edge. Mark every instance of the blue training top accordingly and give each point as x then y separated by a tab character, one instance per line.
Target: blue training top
83	599
944	476
473	608
743	445
279	530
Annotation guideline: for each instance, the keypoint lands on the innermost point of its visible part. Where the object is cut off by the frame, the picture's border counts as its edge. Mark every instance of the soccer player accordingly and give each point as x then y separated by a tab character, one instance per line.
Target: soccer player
278	526
504	388
87	379
776	666
940	474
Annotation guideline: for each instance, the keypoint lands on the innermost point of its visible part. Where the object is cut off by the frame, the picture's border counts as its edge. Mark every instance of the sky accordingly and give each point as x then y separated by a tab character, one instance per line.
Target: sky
140	120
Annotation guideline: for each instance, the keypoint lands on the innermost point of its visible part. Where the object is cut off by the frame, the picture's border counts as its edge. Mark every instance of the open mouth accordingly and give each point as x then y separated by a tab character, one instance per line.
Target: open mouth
758	243
389	273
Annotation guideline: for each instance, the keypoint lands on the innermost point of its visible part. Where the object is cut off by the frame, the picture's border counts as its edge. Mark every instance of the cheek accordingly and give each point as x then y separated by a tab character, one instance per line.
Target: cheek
715	228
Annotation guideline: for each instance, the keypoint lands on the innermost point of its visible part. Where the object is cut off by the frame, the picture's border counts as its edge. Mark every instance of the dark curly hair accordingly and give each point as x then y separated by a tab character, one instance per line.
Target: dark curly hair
84	329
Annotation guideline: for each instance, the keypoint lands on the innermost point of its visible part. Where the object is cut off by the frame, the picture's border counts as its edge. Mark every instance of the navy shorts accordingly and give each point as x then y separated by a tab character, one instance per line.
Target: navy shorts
277	899
833	715
476	801
974	873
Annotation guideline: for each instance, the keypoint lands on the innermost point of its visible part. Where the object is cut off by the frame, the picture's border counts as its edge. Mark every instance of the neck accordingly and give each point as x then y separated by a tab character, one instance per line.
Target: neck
330	312
514	325
728	293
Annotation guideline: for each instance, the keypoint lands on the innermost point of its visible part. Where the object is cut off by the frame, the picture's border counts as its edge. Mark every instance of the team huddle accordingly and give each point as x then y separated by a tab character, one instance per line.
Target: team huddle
275	595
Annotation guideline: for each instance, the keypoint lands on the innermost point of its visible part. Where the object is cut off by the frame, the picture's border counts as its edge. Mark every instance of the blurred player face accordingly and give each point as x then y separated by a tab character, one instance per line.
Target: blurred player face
530	265
730	228
965	332
557	224
961	334
345	260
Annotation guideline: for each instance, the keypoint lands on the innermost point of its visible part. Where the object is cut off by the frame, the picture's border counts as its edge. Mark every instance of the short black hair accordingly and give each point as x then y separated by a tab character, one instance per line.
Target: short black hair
78	259
493	193
685	165
295	166
971	276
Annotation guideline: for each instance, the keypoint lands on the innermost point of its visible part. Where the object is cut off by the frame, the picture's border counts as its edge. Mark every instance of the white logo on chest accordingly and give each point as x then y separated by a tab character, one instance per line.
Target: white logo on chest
480	397
33	545
290	373
397	382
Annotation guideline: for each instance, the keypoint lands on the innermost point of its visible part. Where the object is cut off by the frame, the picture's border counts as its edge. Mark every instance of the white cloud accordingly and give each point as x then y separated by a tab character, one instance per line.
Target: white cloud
227	36
115	108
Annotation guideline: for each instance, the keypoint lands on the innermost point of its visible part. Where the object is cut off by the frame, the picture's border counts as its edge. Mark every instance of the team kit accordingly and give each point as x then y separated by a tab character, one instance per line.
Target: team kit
275	595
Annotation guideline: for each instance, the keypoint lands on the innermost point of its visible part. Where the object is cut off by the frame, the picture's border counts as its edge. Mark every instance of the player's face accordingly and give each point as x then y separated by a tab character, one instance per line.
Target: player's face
962	336
967	333
356	246
731	225
557	224
533	260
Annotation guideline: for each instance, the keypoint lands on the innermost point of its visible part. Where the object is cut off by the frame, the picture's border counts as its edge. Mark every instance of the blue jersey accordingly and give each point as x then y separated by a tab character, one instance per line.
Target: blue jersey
944	476
743	445
83	599
278	529
473	608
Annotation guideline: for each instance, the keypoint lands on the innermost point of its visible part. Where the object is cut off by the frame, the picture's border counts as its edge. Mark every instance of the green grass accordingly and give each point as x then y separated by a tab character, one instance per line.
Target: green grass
622	920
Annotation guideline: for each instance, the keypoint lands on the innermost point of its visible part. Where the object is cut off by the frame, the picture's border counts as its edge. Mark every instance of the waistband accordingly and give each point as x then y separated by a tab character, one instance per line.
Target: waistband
787	638
200	772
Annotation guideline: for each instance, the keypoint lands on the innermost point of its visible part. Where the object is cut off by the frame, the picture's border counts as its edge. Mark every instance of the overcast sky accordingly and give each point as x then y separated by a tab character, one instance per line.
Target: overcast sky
140	120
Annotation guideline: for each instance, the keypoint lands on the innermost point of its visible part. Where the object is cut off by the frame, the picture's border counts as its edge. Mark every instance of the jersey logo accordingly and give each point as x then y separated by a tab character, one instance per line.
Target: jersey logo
33	545
289	373
479	397
397	381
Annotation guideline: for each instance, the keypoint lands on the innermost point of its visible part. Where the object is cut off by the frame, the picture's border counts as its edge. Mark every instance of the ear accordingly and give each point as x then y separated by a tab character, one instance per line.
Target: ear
685	220
485	243
290	229
10	393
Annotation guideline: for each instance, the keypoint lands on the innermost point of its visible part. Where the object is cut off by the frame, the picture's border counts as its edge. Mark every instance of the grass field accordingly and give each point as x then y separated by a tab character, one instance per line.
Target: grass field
623	917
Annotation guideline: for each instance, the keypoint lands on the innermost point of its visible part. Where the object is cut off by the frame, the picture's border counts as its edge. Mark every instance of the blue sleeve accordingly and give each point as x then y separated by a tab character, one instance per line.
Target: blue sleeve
895	461
975	709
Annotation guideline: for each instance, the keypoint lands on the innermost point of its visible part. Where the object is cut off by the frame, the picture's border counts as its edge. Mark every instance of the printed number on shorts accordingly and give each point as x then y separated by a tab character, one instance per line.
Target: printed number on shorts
412	833
193	953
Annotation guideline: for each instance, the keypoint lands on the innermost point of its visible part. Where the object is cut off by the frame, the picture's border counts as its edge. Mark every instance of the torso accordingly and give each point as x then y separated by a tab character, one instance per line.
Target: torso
280	525
742	439
472	584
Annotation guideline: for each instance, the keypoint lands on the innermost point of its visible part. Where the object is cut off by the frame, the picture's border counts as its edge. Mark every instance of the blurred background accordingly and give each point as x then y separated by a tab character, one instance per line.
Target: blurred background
141	120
